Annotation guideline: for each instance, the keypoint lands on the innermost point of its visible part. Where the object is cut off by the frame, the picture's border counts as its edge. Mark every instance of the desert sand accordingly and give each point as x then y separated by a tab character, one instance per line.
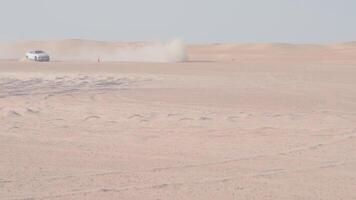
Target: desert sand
233	121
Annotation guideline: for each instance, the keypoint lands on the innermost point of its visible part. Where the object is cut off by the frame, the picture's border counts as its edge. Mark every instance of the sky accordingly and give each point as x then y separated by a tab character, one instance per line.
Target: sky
195	21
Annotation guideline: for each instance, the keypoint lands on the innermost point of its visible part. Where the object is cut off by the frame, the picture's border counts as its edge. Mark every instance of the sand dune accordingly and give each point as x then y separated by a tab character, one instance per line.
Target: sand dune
236	121
278	52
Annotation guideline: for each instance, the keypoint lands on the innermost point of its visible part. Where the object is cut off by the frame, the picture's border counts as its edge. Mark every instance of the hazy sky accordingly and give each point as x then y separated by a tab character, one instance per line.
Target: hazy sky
297	21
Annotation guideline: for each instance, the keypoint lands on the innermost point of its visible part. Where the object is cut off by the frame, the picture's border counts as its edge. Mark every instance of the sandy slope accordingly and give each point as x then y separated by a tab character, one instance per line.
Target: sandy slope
267	121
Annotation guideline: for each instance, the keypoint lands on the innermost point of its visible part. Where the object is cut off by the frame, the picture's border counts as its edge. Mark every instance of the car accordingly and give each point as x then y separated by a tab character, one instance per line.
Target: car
38	55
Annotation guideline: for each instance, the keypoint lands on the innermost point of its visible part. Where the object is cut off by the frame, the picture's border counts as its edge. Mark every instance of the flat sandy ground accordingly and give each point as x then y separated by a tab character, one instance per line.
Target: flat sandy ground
263	122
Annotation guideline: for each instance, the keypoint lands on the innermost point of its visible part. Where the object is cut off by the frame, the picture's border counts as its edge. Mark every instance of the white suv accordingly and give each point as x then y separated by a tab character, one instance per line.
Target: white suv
37	55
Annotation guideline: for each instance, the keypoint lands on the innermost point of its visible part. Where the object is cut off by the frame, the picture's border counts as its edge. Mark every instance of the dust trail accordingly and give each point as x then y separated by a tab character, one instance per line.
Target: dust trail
173	51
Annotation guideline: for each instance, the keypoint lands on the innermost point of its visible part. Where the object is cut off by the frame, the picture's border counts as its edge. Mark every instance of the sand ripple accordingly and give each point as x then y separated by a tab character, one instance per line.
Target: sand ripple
15	86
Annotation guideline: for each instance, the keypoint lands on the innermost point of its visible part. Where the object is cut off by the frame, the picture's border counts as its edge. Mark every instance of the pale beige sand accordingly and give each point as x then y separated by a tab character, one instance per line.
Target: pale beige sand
257	121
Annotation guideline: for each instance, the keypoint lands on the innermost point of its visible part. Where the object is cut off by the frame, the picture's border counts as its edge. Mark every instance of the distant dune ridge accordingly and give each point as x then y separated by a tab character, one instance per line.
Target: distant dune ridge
177	51
278	52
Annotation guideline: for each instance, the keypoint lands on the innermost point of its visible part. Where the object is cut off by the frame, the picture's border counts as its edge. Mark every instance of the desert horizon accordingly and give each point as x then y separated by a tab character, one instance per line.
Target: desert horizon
174	51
